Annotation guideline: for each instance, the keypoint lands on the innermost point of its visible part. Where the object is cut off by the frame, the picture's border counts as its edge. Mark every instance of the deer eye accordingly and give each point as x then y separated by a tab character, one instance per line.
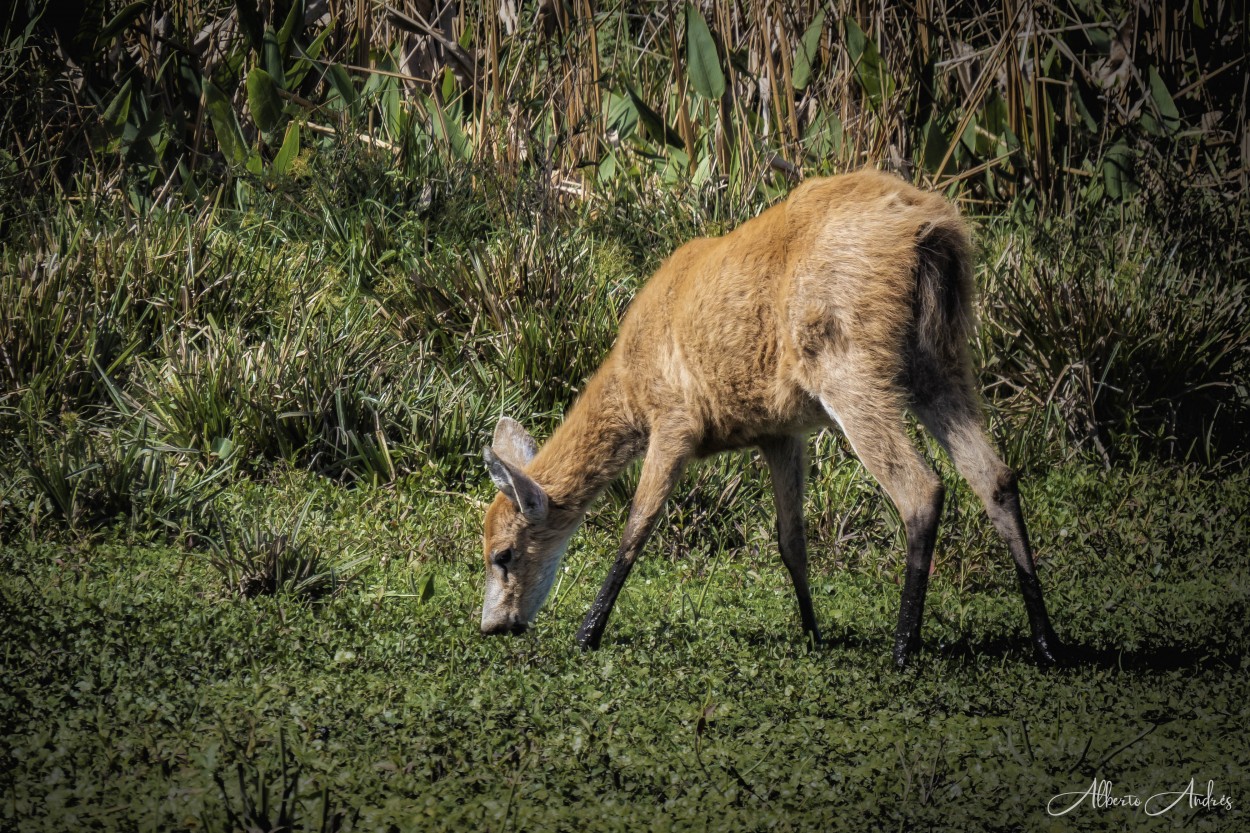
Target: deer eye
502	558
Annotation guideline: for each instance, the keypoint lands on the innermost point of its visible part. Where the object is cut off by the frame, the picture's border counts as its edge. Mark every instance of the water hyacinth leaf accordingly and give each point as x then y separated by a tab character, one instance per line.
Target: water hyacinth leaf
809	49
263	99
118	111
702	61
225	124
287	154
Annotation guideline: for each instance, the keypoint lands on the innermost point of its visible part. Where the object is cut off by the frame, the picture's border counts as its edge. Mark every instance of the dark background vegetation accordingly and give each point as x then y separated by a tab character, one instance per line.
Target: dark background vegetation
271	271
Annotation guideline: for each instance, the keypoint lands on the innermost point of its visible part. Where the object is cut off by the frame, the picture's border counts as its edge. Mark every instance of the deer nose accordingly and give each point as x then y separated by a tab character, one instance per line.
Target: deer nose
503	626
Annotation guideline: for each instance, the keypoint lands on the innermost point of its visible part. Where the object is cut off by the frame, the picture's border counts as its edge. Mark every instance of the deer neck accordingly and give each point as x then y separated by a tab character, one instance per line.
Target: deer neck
590	449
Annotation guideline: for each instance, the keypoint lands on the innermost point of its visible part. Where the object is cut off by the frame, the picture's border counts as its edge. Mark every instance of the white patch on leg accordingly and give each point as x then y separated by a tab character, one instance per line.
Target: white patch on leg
831	412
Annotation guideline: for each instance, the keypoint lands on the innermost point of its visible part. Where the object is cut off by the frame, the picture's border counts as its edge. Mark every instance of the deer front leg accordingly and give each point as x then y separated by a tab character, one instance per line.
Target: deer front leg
786	463
661	468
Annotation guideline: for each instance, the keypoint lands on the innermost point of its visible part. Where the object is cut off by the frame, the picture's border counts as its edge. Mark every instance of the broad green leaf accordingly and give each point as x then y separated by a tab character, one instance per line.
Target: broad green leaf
935	146
341	83
427	589
447	130
657	130
674	167
118	111
607	168
225	124
809	48
702	62
287	154
251	23
263	99
1196	13
1087	118
870	68
994	113
121	20
1100	39
622	115
855	40
293	25
1164	103
301	67
824	135
272	56
1117	172
388	98
449	87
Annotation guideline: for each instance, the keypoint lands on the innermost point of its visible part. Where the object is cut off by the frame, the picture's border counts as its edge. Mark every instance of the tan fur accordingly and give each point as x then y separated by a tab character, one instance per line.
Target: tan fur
851	299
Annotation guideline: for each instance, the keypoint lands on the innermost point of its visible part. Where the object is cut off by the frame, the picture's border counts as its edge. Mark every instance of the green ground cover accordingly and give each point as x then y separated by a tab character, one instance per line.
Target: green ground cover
138	695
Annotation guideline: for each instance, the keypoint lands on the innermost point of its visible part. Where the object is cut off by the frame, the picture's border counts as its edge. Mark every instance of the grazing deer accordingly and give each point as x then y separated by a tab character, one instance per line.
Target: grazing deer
848	303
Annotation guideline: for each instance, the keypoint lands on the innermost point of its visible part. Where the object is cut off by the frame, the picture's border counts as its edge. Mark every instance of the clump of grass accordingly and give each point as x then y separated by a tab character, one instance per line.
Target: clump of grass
1101	321
261	558
87	475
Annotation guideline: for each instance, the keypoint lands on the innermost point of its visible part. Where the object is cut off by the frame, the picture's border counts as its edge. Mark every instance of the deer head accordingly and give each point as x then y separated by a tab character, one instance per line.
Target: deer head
524	539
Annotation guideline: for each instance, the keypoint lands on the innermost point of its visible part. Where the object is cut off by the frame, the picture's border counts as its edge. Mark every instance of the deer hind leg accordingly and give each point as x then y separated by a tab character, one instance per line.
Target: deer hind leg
871	417
951	410
786	463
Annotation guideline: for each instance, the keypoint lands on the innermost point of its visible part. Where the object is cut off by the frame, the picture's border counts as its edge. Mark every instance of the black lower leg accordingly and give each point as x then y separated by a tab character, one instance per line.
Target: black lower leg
1045	644
910	614
1008	518
806	612
591	632
794	556
808	615
921	536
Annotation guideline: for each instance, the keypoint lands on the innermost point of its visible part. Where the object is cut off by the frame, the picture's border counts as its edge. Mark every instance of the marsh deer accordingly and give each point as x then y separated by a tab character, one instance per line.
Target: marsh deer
847	303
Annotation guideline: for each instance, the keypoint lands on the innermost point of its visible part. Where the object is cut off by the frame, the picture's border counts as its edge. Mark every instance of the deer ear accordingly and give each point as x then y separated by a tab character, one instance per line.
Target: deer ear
513	442
517	486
